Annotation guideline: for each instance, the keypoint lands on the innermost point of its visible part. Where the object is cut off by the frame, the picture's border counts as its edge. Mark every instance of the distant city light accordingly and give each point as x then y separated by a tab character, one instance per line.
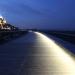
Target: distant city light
1	16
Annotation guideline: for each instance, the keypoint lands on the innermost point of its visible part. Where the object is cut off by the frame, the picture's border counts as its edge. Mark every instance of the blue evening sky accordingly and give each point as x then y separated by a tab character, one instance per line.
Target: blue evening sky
44	14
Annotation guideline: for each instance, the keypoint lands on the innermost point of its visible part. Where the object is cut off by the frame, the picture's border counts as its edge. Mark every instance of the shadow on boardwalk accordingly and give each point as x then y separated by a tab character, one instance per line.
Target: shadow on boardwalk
6	36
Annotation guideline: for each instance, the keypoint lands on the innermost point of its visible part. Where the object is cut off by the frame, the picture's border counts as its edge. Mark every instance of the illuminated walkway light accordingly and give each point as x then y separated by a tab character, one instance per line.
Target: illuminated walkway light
47	58
50	58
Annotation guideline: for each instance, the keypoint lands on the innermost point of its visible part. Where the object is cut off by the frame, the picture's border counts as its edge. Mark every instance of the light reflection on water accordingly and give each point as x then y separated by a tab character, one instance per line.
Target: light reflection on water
33	55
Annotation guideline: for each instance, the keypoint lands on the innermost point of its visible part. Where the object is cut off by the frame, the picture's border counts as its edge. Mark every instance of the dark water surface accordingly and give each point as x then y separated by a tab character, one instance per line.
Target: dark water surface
29	55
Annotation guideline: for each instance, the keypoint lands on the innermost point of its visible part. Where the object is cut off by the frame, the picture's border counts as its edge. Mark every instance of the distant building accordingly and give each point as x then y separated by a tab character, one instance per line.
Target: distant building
5	26
2	22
